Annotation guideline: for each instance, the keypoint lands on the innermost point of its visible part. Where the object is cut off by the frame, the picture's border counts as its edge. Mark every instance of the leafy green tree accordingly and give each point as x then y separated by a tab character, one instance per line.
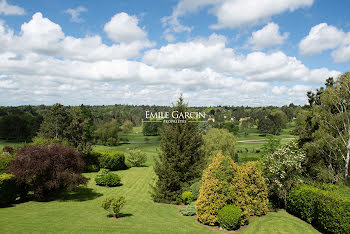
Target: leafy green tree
283	169
216	140
55	123
325	134
272	144
151	128
181	159
127	126
80	129
265	125
108	133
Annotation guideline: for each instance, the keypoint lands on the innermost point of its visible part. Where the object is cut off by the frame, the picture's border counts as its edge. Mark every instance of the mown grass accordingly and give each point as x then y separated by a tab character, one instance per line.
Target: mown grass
81	212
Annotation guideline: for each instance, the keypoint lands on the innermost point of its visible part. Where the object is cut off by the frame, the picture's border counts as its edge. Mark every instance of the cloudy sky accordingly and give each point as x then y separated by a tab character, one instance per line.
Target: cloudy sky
214	52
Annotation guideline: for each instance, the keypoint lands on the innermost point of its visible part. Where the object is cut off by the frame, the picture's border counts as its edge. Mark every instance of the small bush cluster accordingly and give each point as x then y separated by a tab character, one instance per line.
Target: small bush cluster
188	210
226	183
187	197
8	189
137	158
228	217
327	209
112	160
106	178
113	204
5	160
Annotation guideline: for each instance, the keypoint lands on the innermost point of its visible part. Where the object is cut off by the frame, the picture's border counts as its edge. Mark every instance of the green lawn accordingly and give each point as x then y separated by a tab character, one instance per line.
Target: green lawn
81	212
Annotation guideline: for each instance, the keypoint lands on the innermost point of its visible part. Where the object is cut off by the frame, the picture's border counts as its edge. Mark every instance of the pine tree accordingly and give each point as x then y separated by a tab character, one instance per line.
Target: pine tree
181	159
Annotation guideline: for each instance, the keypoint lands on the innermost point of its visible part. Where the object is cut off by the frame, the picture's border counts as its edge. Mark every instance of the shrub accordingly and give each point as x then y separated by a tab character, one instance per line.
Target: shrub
8	149
188	210
228	217
195	189
137	158
112	160
187	197
106	178
226	183
5	160
8	189
91	160
48	169
113	204
327	209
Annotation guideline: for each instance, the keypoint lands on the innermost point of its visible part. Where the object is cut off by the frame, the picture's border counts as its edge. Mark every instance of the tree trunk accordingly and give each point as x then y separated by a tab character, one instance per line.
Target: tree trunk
347	159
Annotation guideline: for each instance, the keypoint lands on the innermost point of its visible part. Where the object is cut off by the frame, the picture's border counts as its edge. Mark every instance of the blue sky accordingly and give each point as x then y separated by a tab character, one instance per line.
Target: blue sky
214	52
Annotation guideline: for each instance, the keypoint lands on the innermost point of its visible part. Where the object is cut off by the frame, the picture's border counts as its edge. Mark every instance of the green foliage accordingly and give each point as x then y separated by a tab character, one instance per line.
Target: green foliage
73	125
91	160
327	209
127	126
273	123
188	210
228	217
39	140
112	160
5	160
137	158
107	133
216	140
283	169
106	178
180	160
187	197
8	189
195	188
272	144
114	204
151	128
226	183
19	126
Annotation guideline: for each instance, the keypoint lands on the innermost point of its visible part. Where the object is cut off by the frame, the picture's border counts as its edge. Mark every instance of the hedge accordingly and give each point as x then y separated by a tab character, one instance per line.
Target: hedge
8	189
327	208
112	160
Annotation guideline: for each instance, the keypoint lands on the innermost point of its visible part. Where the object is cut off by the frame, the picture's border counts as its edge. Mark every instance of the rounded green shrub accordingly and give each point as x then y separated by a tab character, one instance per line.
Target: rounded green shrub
114	204
8	189
106	178
112	160
228	217
187	197
137	158
188	210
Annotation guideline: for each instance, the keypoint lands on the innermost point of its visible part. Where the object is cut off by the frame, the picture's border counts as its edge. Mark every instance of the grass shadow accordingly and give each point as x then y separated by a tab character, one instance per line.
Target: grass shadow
79	194
121	215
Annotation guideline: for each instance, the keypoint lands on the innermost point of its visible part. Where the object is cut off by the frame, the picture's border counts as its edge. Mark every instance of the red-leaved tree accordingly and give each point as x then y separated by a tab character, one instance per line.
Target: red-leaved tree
48	169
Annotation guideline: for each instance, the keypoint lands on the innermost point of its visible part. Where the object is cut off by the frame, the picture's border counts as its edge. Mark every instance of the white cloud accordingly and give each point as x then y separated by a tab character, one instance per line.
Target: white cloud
326	37
7	9
266	37
213	53
321	37
231	13
41	64
40	35
124	28
75	13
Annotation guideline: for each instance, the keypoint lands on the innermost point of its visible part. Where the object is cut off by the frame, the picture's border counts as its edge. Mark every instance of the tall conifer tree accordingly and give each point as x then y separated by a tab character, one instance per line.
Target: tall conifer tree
181	159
